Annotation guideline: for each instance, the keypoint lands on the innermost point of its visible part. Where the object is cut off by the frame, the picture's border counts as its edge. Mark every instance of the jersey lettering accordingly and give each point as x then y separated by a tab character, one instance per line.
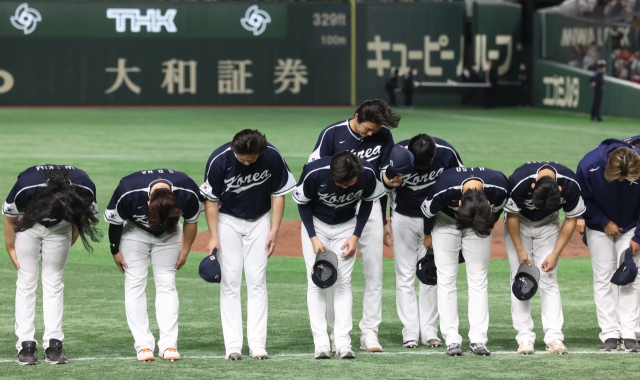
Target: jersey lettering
470	169
368	153
239	183
340	201
51	167
417	182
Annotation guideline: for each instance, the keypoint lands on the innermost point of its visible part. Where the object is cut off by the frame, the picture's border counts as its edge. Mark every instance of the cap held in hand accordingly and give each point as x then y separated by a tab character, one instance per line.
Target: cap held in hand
325	269
525	283
426	270
400	162
210	267
628	270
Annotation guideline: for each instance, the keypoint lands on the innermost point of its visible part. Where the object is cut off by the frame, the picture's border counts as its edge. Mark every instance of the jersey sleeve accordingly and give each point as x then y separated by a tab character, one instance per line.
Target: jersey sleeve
283	181
374	189
305	190
515	201
192	202
213	186
15	203
117	211
324	146
454	160
430	207
575	205
593	214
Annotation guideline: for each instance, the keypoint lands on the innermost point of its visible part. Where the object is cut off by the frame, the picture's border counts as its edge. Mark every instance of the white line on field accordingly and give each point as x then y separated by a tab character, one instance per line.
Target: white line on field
602	131
417	353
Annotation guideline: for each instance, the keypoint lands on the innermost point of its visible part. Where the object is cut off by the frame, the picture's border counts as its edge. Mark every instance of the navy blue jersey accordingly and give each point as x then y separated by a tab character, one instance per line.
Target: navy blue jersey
447	192
329	202
31	180
245	191
130	200
339	137
605	201
632	138
408	197
521	197
598	79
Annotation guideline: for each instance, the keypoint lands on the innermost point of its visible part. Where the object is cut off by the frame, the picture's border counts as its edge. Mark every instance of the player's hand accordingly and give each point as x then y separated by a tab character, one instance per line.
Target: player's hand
317	245
612	229
388	235
11	250
393	182
120	263
427	242
523	257
549	263
350	246
74	235
634	246
214	242
182	259
580	224
271	242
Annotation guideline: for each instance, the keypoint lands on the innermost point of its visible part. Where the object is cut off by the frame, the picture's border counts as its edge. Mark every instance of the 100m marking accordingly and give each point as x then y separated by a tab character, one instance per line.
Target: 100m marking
333	40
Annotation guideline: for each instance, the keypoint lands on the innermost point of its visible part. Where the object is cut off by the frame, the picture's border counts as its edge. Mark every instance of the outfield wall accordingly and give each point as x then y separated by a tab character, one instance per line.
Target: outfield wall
563	87
70	52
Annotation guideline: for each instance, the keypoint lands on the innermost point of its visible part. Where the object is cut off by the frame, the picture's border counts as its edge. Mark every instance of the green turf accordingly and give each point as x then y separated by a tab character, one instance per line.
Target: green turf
109	143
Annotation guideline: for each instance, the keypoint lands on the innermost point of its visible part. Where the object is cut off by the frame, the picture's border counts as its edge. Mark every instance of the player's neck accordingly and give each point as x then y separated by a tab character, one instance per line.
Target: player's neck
473	184
546	173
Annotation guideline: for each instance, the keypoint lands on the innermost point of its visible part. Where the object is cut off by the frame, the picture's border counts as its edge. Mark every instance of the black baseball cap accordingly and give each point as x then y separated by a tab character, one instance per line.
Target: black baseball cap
400	162
627	271
325	269
525	282
426	270
210	267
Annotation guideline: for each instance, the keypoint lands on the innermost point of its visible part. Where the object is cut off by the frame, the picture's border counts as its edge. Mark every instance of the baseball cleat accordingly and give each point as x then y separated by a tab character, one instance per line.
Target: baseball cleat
345	352
369	342
28	354
609	345
54	353
410	343
526	347
322	352
479	349
631	345
233	353
454	349
557	347
258	353
145	355
170	354
435	342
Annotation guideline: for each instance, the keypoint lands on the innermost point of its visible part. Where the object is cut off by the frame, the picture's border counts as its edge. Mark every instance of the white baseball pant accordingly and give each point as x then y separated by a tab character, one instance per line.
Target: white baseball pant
418	316
333	238
139	248
447	242
538	240
242	245
370	247
618	318
51	245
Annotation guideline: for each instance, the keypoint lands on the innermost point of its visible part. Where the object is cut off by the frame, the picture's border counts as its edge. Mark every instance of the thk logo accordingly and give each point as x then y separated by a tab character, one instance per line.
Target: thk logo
153	21
25	18
255	20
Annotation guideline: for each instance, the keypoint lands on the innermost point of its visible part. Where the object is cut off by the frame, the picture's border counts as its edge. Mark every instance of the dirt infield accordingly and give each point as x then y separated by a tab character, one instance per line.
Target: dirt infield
288	243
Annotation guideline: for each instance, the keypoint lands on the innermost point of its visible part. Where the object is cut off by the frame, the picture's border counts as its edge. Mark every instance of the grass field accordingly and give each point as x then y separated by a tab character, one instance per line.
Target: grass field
110	143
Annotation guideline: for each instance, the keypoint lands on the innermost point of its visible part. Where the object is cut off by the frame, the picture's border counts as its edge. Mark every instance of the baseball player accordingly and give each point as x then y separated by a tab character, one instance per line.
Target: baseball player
533	231
47	209
431	157
461	210
608	178
244	179
144	216
366	135
327	195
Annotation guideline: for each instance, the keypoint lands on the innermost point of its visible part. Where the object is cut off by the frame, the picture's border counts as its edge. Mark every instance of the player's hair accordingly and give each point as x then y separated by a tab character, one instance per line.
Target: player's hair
345	167
546	194
377	111
249	141
61	200
635	143
475	213
623	162
423	148
164	210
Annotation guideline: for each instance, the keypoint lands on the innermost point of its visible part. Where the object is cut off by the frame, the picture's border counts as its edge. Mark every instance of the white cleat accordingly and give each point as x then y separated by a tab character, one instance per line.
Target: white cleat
170	354
234	353
258	353
525	347
557	347
369	342
345	352
145	355
322	352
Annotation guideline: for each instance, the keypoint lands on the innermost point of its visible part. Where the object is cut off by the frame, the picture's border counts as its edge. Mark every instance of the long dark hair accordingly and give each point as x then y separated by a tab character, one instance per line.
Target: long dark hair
61	200
345	167
164	210
475	213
